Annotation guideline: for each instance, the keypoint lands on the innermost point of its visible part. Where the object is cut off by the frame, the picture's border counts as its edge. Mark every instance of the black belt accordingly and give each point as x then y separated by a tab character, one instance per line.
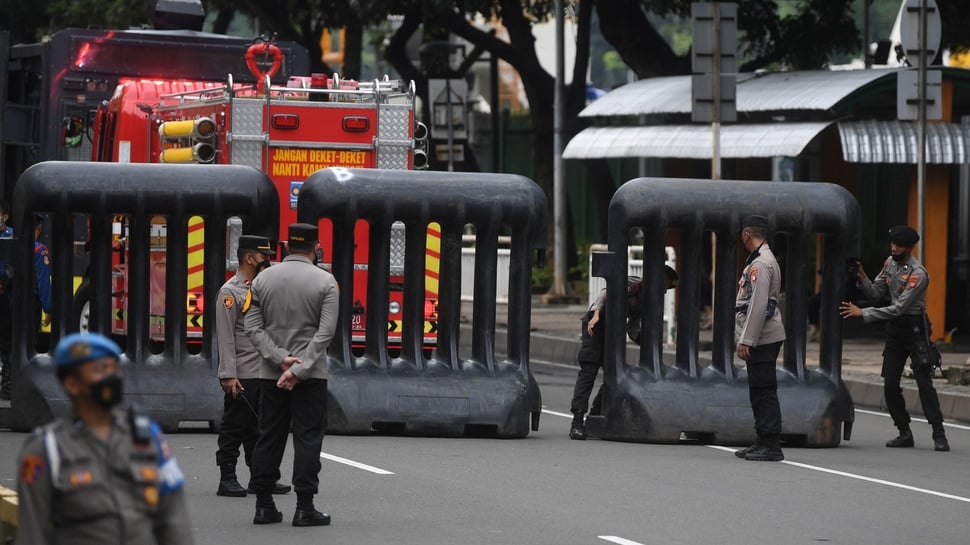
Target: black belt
769	309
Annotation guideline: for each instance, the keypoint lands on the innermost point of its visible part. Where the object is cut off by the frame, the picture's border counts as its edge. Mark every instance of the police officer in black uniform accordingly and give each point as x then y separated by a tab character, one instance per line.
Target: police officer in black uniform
905	281
760	333
292	319
590	356
239	369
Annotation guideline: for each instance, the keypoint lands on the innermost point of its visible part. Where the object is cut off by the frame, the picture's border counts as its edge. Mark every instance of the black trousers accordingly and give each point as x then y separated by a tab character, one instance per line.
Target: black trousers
905	339
240	424
590	359
305	408
584	388
763	388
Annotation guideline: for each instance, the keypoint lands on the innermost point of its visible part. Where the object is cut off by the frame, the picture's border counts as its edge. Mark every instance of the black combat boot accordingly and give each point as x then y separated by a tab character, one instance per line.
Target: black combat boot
577	430
758	443
228	485
940	444
278	488
903	440
769	451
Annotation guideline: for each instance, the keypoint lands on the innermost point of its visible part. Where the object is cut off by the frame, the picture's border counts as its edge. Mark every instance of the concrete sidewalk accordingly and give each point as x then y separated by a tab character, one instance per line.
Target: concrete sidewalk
556	334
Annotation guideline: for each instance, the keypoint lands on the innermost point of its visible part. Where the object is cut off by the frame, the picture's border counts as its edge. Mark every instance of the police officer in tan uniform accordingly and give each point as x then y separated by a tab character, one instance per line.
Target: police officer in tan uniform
904	280
239	368
291	319
104	476
760	332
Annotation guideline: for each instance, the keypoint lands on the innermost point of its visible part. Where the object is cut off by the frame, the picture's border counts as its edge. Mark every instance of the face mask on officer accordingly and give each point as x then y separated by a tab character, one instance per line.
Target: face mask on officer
260	265
107	392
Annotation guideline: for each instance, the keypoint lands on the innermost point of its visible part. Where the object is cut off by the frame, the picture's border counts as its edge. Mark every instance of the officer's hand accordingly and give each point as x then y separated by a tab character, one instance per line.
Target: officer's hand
289	361
744	351
593	321
47	320
847	309
860	273
231	386
287	381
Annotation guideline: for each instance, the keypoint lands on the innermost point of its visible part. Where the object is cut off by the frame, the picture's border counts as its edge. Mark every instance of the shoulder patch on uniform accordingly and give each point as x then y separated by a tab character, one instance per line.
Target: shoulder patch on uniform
30	468
229	301
913	280
754	273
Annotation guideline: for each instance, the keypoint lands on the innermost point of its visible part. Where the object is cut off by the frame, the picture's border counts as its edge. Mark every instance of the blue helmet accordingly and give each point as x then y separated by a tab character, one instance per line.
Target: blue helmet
78	348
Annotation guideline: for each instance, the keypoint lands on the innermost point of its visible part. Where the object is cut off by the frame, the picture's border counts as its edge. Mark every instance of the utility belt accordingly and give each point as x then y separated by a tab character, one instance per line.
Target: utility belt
769	309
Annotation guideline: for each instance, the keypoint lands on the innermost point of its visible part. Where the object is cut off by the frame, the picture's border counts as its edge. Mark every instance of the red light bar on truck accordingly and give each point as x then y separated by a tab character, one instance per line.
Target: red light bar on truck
356	123
286	121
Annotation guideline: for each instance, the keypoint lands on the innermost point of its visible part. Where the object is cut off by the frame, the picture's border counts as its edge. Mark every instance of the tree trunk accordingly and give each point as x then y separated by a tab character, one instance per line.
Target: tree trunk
353	43
625	26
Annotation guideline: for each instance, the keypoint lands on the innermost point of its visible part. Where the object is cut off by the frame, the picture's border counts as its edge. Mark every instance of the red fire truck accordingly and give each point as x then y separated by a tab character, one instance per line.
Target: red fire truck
269	117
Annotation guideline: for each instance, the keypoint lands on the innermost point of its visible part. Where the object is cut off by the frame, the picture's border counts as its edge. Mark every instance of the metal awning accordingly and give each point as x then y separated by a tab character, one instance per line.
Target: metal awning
693	141
812	90
896	142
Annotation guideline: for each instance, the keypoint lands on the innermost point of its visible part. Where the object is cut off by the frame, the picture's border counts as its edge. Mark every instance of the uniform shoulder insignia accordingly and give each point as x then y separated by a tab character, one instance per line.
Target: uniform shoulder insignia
229	301
913	280
30	468
754	274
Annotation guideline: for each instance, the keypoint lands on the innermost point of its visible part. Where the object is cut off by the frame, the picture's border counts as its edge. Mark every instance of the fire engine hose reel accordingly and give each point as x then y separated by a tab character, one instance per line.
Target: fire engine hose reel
202	128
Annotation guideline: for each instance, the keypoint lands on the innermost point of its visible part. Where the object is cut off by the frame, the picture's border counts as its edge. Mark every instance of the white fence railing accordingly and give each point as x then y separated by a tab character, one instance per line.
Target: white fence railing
468	272
635	268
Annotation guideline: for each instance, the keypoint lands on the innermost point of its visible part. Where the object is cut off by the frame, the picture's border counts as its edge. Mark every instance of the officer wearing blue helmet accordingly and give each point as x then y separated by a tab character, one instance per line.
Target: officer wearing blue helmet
104	475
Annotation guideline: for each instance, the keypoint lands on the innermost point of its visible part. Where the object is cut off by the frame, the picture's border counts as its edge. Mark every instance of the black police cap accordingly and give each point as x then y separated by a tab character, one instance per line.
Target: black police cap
758	222
903	235
303	233
256	244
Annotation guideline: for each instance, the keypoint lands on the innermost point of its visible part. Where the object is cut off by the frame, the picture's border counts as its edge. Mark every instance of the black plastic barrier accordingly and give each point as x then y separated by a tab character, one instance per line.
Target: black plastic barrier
444	394
649	401
177	384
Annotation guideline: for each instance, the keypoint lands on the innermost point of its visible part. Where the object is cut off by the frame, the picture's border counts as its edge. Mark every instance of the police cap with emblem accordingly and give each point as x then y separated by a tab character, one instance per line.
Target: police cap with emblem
256	243
903	235
302	233
78	348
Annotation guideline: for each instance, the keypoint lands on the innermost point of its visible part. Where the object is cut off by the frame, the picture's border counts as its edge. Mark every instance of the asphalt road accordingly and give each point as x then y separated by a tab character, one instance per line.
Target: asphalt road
547	489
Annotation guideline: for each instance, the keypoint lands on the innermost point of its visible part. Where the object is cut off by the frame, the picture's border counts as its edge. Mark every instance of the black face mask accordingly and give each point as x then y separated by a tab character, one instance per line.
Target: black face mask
898	258
264	264
107	391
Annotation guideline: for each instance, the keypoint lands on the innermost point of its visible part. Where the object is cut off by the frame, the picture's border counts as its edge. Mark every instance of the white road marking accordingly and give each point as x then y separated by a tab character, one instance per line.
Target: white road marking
860	477
352	463
813	468
923	420
618	540
554	413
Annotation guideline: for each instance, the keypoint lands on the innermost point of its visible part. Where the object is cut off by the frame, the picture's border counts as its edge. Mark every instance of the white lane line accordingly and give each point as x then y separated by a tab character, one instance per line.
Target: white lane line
823	470
555	413
618	540
862	478
352	463
923	420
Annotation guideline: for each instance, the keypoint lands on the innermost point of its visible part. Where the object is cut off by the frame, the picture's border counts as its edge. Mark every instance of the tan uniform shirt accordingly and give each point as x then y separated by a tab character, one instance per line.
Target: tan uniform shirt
293	312
238	357
75	488
760	282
